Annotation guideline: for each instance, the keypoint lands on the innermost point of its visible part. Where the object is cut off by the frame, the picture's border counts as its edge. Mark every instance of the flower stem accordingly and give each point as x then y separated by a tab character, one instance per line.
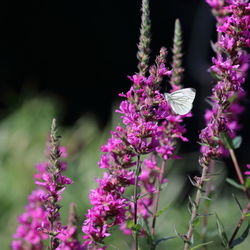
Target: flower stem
238	226
54	168
137	172
209	190
238	171
236	166
163	164
195	206
236	230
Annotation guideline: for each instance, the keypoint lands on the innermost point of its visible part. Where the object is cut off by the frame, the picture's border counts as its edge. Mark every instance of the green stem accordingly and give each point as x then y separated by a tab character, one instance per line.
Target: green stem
238	171
209	189
163	164
137	172
195	207
237	228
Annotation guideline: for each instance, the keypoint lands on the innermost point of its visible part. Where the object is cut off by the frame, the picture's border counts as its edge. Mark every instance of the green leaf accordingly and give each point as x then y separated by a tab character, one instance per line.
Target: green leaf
237	142
247	214
230	143
130	224
247	183
215	138
143	195
233	97
192	182
161	211
134	227
163	186
138	171
209	102
196	221
226	140
202	144
164	239
137	228
213	46
218	173
141	221
238	203
146	227
241	238
234	184
150	239
191	201
206	198
201	245
222	232
203	215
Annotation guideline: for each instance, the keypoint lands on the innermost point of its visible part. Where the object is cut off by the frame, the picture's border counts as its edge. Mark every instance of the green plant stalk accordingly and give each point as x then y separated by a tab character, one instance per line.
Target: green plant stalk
54	168
209	188
238	172
236	230
236	166
195	207
137	172
163	165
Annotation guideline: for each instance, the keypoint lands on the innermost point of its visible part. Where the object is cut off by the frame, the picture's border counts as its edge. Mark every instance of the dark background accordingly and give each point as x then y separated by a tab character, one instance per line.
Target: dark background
82	51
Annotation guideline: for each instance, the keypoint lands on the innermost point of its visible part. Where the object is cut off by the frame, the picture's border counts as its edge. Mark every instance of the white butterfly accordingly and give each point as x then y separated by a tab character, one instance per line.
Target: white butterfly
181	101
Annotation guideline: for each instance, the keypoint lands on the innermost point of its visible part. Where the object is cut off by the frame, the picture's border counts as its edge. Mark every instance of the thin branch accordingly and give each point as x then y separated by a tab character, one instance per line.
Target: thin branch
137	172
238	171
163	165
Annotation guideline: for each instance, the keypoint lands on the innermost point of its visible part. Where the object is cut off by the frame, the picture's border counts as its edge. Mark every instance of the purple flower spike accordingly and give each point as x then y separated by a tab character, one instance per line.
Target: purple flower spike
229	70
41	218
149	126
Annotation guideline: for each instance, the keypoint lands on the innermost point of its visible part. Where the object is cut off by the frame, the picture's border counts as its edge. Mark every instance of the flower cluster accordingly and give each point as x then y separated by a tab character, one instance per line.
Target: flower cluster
28	234
149	126
229	68
68	240
42	217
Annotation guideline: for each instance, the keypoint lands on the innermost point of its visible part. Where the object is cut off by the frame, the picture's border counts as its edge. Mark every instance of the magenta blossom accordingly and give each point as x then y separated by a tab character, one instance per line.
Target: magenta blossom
30	222
229	68
41	217
149	126
247	173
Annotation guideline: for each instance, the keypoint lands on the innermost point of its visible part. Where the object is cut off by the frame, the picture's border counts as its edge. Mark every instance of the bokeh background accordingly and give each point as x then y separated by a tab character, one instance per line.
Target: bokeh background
69	60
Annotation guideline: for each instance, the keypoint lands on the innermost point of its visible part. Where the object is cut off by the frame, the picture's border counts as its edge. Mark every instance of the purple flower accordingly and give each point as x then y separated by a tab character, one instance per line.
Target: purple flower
41	216
66	235
149	126
30	222
229	68
247	173
16	245
215	3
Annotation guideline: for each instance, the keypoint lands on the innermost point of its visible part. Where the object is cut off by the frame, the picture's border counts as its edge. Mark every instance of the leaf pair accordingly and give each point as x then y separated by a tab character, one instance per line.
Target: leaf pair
223	236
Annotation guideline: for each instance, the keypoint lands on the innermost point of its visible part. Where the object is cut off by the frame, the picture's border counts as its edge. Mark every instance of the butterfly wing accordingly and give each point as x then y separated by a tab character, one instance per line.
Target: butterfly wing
187	94
181	101
180	108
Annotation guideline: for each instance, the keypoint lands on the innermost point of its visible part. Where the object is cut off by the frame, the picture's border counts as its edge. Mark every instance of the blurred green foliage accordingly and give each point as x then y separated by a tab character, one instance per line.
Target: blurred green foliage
23	135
